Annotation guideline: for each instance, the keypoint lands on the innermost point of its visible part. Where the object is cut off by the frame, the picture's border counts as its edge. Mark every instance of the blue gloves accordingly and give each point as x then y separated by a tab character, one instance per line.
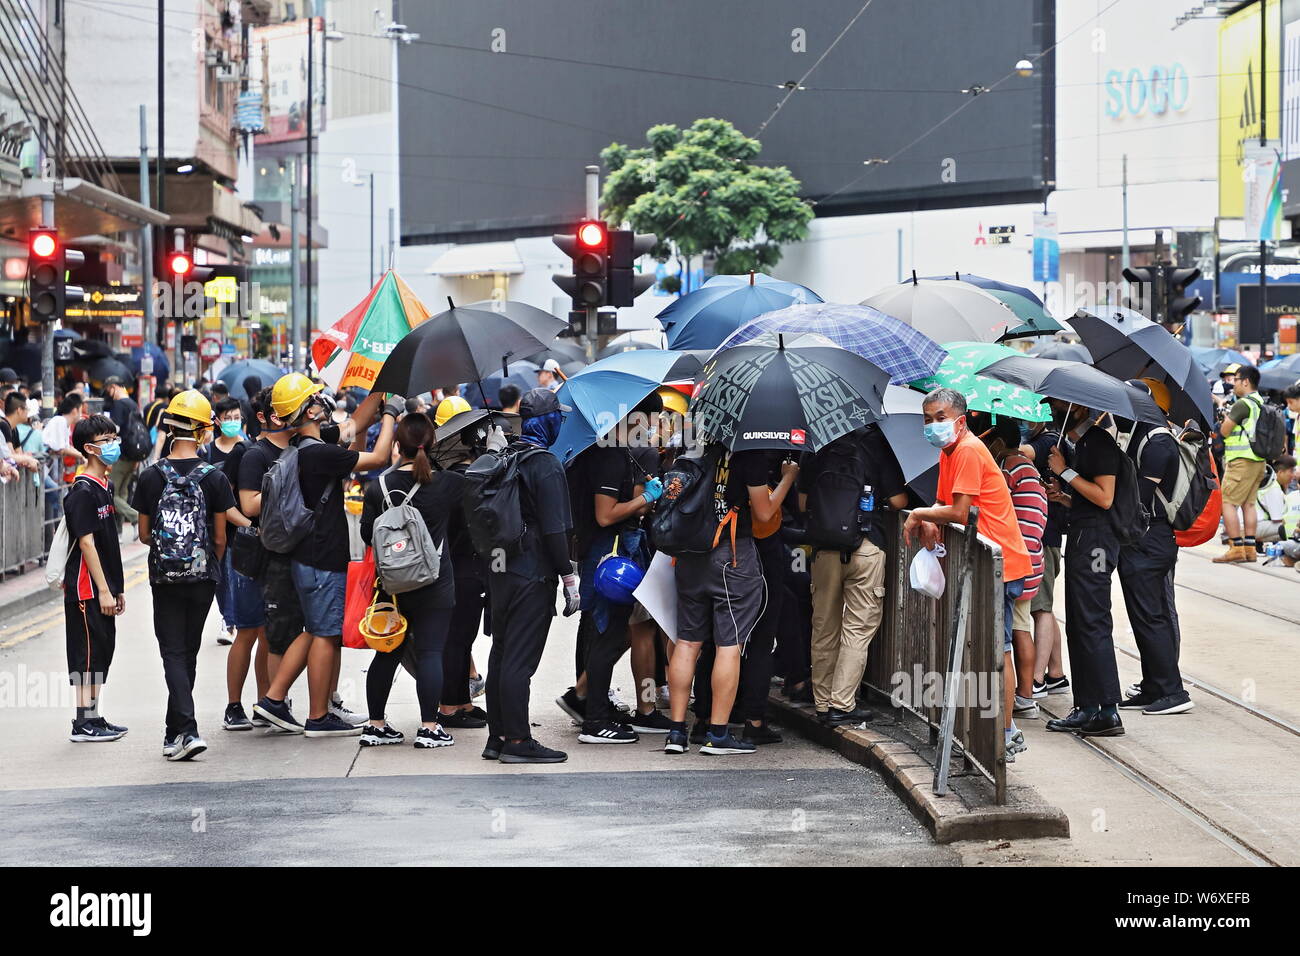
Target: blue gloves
654	489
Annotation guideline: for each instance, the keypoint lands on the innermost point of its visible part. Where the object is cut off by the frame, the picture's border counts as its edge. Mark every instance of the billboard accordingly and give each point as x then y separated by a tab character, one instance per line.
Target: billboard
279	52
1248	109
503	103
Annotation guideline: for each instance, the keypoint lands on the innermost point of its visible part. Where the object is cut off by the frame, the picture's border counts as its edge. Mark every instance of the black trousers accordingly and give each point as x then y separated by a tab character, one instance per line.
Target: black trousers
179	612
1145	575
756	665
604	648
471	598
794	641
426	638
521	619
1091	555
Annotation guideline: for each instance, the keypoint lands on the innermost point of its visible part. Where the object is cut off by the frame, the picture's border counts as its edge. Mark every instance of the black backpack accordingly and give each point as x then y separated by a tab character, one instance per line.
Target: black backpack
492	502
1128	519
135	438
834	521
684	521
182	549
1269	438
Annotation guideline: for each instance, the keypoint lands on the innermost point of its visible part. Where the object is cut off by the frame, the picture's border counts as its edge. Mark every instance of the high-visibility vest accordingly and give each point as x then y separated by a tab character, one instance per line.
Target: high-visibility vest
1291	517
1237	444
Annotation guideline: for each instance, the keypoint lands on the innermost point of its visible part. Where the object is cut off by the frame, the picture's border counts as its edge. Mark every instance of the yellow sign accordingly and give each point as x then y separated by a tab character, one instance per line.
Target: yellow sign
1242	104
222	289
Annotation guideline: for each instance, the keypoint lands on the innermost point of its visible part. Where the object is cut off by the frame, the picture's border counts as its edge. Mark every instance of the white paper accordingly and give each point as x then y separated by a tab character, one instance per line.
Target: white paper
657	593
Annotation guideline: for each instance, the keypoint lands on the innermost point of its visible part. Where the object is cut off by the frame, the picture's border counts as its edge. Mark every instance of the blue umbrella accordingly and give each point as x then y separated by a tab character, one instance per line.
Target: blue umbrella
522	374
894	346
703	318
161	367
605	391
1215	361
990	284
235	374
1281	374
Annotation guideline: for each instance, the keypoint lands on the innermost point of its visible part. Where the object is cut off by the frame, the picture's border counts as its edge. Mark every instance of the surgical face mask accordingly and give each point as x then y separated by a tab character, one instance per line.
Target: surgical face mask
230	427
110	451
941	434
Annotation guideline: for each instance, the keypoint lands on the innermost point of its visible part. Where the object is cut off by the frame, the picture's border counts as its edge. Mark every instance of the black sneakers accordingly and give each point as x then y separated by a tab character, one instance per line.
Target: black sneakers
187	747
278	714
1179	703
530	751
1056	685
573	705
92	731
426	739
699	731
331	725
1137	701
492	749
857	715
677	742
718	746
651	723
606	732
462	720
762	734
372	736
235	718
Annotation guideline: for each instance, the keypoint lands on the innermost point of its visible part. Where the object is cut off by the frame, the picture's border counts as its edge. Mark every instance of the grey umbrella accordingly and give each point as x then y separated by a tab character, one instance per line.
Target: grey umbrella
1079	384
1062	352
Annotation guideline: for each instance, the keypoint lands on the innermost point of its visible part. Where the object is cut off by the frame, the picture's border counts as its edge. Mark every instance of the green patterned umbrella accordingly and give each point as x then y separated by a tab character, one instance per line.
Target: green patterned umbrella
983	394
1034	319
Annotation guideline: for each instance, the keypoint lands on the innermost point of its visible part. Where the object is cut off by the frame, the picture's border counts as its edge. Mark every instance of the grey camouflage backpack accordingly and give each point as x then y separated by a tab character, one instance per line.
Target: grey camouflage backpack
405	556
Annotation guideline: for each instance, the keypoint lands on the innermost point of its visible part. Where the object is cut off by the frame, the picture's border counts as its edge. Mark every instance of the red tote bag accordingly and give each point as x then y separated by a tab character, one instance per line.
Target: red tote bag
360	592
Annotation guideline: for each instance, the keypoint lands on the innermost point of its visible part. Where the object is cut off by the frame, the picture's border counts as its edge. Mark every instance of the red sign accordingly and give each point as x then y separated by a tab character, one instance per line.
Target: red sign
210	348
797	436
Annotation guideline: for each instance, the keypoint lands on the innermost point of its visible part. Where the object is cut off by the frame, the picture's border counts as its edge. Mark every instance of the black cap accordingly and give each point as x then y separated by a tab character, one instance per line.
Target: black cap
539	401
8	375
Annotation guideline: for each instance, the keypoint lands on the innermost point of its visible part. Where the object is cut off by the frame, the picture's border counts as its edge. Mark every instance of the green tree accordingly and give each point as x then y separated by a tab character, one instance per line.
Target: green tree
701	191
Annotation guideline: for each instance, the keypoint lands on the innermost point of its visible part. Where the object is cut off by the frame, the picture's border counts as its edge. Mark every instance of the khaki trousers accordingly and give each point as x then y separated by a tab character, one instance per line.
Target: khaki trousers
848	599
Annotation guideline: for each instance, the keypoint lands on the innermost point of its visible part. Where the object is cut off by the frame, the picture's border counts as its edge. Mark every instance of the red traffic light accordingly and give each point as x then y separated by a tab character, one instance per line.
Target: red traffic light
592	235
179	263
43	245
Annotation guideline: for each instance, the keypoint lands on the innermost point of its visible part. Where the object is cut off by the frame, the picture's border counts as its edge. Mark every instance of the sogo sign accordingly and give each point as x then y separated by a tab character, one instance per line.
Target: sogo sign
1160	90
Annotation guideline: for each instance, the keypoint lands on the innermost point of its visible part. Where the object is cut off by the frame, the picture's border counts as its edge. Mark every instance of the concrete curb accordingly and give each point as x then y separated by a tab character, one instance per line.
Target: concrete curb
949	818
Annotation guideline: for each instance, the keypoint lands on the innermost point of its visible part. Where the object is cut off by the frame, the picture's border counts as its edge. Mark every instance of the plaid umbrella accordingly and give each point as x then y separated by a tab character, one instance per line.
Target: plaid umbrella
894	346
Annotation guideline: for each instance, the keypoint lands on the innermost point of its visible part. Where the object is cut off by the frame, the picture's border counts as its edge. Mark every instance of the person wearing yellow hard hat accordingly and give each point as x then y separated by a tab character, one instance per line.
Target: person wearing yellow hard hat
183	502
449	407
319	563
1159	391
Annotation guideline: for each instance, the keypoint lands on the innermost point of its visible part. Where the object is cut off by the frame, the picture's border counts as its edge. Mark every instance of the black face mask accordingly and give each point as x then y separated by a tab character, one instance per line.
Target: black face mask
329	434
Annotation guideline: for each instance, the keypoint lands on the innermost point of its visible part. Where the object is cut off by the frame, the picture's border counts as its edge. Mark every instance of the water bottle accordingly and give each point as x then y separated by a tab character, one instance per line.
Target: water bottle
868	500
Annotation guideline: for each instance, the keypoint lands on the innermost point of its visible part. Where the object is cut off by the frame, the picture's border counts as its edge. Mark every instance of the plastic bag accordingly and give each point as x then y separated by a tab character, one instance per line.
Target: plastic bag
926	573
360	592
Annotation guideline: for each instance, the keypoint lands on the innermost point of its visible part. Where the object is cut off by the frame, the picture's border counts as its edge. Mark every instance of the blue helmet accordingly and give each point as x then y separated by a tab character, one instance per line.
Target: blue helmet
617	577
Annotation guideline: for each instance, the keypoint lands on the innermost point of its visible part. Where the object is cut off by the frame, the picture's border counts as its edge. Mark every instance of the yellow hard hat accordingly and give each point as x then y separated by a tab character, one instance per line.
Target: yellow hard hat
383	627
289	394
354	498
1159	391
448	408
674	401
187	409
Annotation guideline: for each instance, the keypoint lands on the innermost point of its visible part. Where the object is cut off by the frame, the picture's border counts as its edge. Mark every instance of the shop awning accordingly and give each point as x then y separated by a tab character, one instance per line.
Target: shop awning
80	209
478	258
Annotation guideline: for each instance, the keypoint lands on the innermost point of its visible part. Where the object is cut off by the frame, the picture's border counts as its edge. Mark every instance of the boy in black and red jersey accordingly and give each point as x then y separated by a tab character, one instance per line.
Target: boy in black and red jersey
92	578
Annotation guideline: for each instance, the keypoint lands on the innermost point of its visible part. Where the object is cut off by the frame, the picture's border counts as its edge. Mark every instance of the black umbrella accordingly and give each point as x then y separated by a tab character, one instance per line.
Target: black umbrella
1283	374
542	324
1129	345
459	345
904	428
799	396
1061	352
1079	384
99	369
87	350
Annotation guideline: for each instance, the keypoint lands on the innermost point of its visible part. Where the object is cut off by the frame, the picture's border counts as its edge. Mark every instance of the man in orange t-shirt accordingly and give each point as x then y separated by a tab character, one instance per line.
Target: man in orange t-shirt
969	477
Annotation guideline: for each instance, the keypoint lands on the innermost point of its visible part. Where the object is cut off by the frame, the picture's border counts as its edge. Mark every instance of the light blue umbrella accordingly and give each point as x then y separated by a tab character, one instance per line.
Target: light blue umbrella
604	392
236	373
902	351
703	318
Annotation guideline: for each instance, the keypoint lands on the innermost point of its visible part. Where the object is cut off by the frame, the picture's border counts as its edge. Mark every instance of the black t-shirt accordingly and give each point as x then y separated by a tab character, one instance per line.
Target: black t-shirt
1159	461
1095	454
253	466
437	501
120	411
1058	516
882	473
227	461
88	509
252	427
321	470
609	470
149	487
7	430
735	475
459	542
544	502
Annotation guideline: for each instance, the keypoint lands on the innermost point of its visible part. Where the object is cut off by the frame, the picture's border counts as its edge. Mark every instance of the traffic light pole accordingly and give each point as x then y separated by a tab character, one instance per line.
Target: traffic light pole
593	212
146	254
47	340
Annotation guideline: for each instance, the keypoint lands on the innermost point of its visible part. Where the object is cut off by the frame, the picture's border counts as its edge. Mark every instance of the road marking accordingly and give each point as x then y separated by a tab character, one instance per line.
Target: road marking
39	625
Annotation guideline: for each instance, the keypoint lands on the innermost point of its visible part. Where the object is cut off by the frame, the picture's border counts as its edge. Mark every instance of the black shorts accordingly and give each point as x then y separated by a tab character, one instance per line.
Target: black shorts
92	638
284	621
716	602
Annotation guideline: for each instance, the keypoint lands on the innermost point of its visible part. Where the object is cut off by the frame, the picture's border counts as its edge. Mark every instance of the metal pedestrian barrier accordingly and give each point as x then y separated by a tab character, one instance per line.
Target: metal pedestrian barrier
22	523
911	661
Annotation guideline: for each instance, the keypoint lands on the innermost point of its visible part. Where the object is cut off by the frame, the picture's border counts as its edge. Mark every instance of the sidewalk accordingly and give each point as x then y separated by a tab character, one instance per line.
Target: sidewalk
21	592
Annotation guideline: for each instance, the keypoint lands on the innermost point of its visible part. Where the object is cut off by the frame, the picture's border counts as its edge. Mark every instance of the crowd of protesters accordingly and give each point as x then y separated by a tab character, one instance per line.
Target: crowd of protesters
783	590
